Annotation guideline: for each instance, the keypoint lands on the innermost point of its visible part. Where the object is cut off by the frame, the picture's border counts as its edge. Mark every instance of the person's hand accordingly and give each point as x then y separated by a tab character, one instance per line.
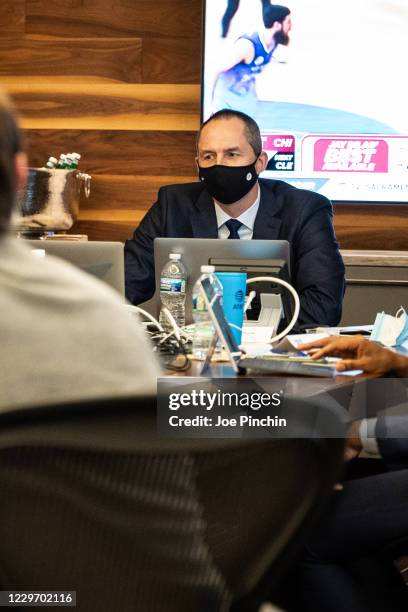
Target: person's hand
356	352
336	346
353	445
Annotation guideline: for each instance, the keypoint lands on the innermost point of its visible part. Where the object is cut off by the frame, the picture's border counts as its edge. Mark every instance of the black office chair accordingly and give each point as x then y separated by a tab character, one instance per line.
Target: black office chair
93	500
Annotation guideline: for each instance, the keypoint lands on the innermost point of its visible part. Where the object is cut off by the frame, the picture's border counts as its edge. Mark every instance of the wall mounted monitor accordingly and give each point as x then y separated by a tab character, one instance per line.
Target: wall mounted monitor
327	85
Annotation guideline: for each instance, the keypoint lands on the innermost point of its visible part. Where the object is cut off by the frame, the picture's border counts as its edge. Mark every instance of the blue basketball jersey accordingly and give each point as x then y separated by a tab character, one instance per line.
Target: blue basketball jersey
241	77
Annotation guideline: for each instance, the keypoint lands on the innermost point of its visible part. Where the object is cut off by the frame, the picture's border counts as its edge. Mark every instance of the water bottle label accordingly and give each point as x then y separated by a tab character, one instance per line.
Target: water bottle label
172	285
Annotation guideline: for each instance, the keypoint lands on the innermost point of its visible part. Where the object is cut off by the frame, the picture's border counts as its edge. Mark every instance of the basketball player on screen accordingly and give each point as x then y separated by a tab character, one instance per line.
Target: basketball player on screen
235	78
230	11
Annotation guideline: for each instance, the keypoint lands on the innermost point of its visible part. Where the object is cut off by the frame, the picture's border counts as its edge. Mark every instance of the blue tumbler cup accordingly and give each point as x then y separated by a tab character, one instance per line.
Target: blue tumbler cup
234	288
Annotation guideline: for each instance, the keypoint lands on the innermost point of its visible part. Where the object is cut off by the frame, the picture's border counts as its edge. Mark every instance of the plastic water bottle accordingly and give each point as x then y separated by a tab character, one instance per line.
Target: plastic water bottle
173	281
204	327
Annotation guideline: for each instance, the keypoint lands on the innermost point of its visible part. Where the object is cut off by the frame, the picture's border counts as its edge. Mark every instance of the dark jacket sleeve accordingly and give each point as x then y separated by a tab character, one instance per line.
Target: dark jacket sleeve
318	271
139	253
392	437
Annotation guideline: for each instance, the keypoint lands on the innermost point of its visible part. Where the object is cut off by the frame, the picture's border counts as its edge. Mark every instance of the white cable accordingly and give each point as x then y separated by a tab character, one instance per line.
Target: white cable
177	331
291	290
146	314
248	300
172	322
180	333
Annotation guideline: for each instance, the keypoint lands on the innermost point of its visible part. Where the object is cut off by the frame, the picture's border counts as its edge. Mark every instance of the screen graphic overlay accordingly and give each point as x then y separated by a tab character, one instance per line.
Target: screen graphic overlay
326	84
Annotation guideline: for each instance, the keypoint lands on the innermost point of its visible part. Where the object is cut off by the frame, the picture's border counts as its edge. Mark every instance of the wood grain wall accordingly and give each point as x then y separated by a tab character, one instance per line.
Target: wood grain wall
118	81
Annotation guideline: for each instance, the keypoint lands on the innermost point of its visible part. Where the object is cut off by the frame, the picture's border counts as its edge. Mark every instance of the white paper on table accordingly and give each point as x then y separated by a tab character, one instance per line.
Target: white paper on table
256	349
256	343
256	334
290	343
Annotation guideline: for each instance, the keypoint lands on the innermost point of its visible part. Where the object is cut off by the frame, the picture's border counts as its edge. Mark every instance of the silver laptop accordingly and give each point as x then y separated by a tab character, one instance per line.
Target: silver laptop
255	257
105	260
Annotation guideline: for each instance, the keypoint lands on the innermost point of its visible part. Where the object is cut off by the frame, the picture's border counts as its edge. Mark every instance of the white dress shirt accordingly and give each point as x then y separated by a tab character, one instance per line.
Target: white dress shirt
247	219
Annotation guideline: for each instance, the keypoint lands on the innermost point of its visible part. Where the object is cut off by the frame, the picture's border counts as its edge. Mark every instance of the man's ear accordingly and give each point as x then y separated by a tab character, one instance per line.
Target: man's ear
261	162
20	169
197	165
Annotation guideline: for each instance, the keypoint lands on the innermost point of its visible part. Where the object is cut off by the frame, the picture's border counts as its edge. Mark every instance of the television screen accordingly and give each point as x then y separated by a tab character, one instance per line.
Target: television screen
326	82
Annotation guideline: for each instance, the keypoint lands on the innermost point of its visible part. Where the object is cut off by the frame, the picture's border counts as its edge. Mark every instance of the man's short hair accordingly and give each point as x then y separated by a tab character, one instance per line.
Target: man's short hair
10	144
252	132
274	12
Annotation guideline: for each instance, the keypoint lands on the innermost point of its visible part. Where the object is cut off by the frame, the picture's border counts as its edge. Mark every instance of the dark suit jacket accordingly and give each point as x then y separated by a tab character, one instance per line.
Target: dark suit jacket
302	217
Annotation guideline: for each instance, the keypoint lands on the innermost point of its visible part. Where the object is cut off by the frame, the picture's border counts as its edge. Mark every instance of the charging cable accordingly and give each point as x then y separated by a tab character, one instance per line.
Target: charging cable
294	294
249	299
163	338
144	313
181	337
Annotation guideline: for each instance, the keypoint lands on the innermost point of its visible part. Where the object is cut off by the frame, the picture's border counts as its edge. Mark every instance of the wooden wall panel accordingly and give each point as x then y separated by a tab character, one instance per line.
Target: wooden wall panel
118	59
88	110
118	81
120	193
144	18
118	152
12	18
171	60
383	227
129	103
104	230
91	104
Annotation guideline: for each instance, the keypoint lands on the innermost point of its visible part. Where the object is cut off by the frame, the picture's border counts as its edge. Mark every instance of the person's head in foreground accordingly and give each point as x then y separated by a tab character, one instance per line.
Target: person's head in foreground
13	161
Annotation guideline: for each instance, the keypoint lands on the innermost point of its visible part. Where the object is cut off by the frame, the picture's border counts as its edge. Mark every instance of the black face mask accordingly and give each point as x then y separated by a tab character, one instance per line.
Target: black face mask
228	184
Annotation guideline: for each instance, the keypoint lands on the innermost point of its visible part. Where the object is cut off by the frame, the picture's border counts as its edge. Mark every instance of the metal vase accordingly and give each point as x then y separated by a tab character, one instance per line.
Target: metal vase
50	201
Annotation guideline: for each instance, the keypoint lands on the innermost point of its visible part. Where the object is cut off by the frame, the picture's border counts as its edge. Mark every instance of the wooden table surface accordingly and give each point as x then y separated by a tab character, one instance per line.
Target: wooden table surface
339	388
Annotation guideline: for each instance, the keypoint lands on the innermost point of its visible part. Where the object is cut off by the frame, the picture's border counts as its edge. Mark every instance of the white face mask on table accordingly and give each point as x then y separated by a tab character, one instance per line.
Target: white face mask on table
389	330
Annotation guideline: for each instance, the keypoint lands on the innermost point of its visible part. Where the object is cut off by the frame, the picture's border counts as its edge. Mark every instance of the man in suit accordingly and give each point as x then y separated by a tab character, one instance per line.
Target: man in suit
231	202
369	514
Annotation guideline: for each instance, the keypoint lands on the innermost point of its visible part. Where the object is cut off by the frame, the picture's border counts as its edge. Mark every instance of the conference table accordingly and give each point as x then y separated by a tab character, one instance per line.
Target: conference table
361	395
